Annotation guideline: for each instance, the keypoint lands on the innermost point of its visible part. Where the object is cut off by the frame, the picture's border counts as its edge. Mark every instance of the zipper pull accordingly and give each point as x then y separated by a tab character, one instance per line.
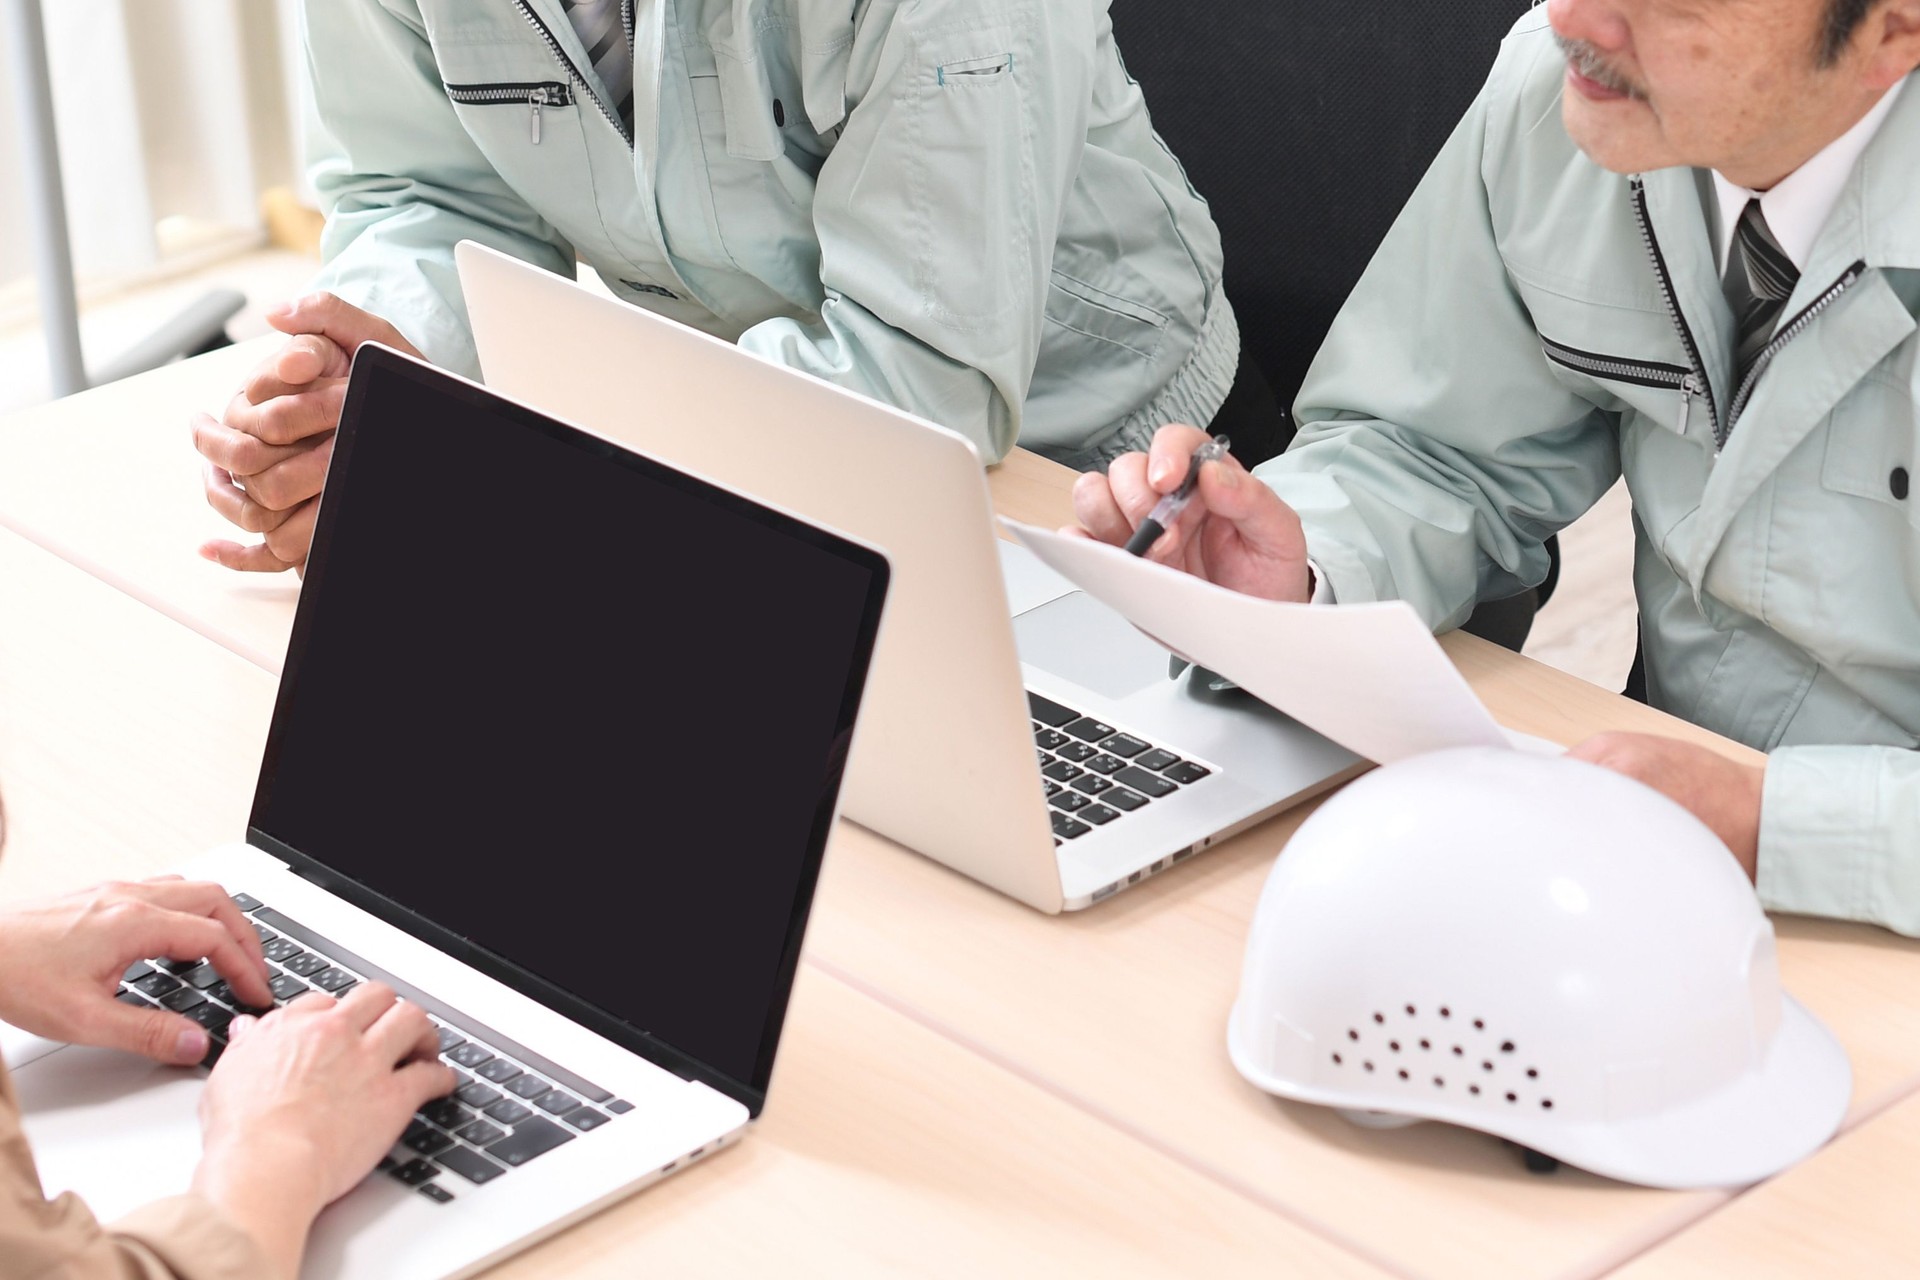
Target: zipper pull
536	100
1689	388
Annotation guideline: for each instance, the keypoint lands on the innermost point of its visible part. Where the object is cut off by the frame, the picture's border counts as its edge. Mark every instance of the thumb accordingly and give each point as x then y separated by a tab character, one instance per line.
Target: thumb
330	316
156	1034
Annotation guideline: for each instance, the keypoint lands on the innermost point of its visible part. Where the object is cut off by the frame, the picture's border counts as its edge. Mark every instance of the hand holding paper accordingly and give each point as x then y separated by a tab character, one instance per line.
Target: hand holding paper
1371	677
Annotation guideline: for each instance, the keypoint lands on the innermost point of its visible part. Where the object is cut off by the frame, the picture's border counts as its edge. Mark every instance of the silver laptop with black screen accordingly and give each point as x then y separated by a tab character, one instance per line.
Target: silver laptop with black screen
1102	772
498	779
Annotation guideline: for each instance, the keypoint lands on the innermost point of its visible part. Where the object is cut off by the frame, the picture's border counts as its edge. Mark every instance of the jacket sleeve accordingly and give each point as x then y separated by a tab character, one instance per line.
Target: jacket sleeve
938	209
1436	451
1840	834
398	199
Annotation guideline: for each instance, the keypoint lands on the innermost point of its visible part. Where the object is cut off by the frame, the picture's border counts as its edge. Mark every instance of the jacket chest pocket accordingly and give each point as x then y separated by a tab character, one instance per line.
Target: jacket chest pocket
1676	392
1873	444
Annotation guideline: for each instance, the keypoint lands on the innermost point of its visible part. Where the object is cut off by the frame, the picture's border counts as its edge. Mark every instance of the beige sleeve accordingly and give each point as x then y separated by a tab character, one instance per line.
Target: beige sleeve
183	1238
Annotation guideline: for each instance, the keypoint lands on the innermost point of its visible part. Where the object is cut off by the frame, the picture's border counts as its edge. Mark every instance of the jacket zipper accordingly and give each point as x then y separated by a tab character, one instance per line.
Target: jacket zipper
573	72
1788	332
535	96
1645	373
1696	382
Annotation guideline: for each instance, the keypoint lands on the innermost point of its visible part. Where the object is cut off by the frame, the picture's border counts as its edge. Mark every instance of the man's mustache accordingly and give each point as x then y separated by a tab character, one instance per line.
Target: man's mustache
1592	64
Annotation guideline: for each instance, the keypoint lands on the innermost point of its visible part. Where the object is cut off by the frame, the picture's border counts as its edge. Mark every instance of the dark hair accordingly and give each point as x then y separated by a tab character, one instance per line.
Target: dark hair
1843	19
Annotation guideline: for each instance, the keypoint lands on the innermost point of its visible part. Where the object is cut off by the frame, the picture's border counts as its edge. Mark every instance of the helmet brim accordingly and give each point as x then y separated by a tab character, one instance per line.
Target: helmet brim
1770	1119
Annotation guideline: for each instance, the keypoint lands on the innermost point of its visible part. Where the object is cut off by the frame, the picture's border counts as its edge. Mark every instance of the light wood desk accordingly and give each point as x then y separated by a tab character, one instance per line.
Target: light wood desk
128	744
1121	1009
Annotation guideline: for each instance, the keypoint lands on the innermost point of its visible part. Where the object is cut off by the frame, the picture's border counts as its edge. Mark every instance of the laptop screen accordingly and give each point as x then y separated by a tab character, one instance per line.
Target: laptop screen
569	714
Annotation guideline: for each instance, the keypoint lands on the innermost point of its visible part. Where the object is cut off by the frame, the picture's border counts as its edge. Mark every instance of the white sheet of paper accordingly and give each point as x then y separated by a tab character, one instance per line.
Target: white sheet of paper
1369	676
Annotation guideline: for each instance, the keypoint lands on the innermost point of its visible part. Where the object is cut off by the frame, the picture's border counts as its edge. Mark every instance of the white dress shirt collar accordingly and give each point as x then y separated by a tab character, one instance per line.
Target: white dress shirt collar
1798	205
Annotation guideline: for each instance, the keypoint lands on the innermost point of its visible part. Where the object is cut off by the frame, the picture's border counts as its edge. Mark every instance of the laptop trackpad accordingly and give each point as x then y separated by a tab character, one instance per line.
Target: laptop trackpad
1079	639
117	1129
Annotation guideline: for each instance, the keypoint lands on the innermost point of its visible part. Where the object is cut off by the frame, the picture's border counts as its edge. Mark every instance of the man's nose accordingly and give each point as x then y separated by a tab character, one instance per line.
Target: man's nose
1601	23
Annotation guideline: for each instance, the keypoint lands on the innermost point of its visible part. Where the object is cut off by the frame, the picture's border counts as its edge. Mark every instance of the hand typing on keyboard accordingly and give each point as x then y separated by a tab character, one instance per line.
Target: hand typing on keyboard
306	1100
63	959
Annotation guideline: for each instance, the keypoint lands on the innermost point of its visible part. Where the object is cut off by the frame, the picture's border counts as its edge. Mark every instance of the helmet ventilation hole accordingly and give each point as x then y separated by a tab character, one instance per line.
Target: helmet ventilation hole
1478	1025
1474	1089
1425	1043
1367	1065
1403	1073
1458	1051
1352	1034
1506	1046
1533	1073
1410	1011
1486	1066
1439	1083
1336	1059
1379	1017
1445	1012
1513	1097
1546	1104
1394	1045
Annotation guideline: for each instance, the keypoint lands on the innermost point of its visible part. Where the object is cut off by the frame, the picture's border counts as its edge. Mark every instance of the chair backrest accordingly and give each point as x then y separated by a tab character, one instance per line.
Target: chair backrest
1306	124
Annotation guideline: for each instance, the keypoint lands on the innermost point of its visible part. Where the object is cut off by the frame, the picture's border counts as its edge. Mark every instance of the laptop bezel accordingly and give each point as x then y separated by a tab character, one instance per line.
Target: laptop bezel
373	361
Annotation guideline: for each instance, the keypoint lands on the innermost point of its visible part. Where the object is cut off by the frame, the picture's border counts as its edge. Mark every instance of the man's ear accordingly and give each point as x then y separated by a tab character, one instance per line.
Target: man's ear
1892	37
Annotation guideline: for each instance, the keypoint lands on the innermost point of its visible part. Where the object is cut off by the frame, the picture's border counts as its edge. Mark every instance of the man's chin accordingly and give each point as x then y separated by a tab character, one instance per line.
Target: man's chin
1619	135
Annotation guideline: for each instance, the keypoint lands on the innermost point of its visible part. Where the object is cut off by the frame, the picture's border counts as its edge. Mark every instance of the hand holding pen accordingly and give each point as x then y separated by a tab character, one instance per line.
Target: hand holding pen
1229	528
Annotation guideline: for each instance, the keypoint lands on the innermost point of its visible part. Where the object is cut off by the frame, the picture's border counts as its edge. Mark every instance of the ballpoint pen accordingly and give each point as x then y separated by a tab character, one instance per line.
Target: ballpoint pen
1168	509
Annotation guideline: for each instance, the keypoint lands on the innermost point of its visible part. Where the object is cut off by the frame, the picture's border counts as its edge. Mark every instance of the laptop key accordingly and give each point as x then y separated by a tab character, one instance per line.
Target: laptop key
246	902
1098	814
499	1071
1121	798
1148	784
534	1138
527	1086
413	1172
136	971
1053	788
471	1165
263	933
1104	763
1049	712
556	1102
182	1000
135	999
435	1192
176	966
447	1113
428	1141
1093	784
330	979
449	1038
480	1133
619	1106
1068	829
1061	771
280	950
477	1095
585	1118
1185	773
306	965
285	986
1050	739
469	1055
157	984
202	976
212	1017
1087	729
1156	759
1121	744
1078	752
508	1113
1070	801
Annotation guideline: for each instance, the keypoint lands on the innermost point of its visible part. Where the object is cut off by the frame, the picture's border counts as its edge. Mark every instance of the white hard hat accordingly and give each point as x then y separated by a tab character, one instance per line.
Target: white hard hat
1543	950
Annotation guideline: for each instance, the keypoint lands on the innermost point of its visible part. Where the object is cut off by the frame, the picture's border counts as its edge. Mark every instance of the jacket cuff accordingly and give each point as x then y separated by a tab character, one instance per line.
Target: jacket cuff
1837	834
194	1239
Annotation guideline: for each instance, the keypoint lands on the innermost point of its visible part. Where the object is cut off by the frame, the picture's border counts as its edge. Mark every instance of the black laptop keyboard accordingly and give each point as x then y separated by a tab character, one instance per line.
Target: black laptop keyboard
1095	774
510	1107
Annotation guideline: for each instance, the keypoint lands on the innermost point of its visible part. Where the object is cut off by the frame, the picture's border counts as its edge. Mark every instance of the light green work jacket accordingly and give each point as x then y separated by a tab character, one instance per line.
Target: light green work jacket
1535	326
956	206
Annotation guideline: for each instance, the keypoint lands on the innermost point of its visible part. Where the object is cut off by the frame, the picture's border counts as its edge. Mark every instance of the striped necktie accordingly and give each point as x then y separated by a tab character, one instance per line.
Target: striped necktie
1760	277
602	30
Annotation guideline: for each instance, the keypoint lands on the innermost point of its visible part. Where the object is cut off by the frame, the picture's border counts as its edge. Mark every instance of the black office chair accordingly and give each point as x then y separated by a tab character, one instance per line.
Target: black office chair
1307	125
